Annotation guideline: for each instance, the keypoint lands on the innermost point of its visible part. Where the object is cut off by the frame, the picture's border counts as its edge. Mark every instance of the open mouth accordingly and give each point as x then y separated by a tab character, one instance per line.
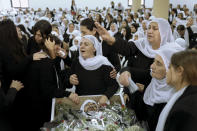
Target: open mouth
82	51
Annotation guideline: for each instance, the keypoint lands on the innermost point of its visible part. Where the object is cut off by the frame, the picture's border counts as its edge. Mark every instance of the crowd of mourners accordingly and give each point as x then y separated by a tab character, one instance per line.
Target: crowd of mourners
44	53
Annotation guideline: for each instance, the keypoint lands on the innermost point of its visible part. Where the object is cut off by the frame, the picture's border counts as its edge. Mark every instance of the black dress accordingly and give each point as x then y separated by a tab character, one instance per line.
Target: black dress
111	56
138	63
42	84
95	82
6	101
145	112
183	115
139	67
10	69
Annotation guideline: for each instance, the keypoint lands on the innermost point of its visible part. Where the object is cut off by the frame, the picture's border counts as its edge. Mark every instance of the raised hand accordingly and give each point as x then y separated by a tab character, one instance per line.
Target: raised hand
104	34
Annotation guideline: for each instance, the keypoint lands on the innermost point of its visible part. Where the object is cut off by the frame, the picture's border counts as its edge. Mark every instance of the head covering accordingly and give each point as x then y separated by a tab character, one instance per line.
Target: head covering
166	38
82	108
97	61
158	91
112	33
74	47
181	42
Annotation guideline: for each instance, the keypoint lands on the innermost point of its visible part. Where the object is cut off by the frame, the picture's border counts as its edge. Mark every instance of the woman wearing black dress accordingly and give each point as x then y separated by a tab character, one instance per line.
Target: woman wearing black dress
14	64
90	72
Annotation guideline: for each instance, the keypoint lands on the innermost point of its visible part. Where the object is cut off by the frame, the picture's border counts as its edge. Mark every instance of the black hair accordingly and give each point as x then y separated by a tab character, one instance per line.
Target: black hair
44	27
90	25
9	39
181	27
135	25
22	28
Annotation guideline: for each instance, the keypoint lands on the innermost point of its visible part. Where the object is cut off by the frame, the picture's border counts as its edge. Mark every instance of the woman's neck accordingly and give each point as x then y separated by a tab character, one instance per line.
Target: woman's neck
181	85
156	46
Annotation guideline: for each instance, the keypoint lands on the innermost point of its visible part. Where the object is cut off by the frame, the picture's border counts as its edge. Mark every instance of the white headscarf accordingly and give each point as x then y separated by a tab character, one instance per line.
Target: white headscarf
97	61
116	30
166	37
74	47
181	42
158	91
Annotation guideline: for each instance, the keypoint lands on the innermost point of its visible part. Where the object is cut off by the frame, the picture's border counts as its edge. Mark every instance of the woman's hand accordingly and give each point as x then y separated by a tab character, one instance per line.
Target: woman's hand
74	98
103	100
104	34
74	80
39	56
113	74
17	85
141	87
124	78
49	44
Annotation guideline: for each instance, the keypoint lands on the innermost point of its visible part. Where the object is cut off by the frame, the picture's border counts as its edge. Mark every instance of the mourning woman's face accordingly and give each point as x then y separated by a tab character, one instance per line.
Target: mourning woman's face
87	49
153	34
158	68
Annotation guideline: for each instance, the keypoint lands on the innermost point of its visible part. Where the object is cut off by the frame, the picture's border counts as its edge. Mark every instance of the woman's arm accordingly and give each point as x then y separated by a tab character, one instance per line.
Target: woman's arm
111	84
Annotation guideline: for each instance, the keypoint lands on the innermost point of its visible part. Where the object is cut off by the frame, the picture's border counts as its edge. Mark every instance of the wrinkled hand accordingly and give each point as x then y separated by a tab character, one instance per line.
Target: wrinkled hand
124	78
126	98
104	34
103	100
141	87
74	80
113	74
74	97
39	56
17	85
49	44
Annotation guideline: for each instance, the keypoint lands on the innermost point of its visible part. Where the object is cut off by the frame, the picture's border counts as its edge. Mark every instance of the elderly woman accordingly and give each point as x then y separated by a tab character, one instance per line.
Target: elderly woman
157	94
90	72
180	112
141	53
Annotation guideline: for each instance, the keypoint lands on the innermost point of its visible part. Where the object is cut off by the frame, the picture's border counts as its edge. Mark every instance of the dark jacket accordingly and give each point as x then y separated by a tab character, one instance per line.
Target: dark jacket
12	104
42	84
138	63
94	82
183	115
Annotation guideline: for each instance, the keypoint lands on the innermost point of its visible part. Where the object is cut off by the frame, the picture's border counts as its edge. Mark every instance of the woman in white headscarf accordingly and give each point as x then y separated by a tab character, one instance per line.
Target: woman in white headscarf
73	50
141	53
148	106
113	29
90	72
180	114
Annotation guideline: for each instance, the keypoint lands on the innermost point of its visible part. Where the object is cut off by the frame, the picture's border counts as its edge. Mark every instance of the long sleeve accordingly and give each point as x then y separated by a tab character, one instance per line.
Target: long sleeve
2	99
49	85
6	100
181	121
111	55
123	47
111	84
